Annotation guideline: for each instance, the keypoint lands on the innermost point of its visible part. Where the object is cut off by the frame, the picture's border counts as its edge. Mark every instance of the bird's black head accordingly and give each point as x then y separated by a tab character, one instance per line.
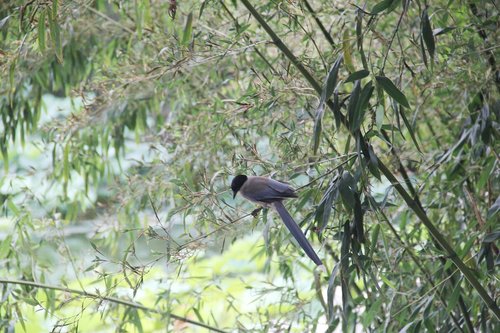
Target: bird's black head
237	183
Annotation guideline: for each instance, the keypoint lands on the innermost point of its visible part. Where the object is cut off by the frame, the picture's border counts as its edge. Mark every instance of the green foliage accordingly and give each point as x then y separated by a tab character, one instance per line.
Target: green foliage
123	122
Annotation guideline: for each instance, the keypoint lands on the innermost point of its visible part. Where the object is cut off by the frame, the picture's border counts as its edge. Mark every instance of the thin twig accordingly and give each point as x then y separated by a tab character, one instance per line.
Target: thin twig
110	299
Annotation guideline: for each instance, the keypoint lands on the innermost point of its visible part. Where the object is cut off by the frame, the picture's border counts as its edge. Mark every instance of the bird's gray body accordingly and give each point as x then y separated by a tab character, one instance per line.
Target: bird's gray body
270	193
265	191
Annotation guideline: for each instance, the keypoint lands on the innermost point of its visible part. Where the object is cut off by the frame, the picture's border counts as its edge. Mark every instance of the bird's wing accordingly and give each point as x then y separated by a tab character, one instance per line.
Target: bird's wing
266	190
285	190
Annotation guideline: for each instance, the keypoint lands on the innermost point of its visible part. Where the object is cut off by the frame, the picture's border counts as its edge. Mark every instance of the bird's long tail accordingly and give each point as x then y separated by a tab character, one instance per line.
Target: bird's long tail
296	232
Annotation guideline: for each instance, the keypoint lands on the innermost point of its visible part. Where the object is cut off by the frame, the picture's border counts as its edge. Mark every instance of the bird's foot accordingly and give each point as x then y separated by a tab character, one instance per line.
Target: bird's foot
256	211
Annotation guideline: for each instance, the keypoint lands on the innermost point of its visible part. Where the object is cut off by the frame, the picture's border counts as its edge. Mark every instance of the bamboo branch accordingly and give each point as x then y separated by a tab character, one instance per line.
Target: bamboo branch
320	24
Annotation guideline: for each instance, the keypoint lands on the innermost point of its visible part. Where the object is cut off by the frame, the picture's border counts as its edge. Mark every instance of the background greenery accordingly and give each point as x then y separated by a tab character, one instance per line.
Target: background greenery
124	121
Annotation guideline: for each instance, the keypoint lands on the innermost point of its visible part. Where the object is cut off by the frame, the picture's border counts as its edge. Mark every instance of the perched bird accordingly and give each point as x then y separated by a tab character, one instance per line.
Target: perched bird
270	193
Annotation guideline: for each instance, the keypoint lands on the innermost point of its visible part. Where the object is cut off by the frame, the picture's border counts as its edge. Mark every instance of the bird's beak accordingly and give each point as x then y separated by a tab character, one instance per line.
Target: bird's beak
234	194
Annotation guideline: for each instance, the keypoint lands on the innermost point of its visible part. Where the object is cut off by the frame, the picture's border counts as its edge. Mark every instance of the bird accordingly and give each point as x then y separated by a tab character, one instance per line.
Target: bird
268	192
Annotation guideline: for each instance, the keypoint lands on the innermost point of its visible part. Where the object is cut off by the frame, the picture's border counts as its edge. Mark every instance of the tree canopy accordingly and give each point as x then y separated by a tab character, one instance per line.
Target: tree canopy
123	123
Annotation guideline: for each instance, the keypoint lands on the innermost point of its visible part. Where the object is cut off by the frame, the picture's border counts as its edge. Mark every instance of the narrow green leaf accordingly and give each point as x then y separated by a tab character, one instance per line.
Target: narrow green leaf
491	237
410	129
66	162
55	34
330	293
453	299
392	90
427	34
12	206
358	219
54	9
361	107
41	31
347	49
359	37
328	88
318	128
422	50
202	8
388	282
336	109
374	238
5	246
357	75
485	174
3	22
19	312
188	30
379	116
493	210
373	163
347	190
381	6
330	81
322	214
353	102
442	31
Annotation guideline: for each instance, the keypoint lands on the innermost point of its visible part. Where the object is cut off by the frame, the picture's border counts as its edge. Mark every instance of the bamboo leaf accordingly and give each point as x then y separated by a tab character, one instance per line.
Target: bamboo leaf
442	31
55	34
188	30
66	162
41	31
331	80
422	50
324	209
410	129
493	210
318	128
357	75
54	9
392	90
485	174
347	49
328	88
388	282
353	102
427	34
331	293
358	219
381	6
3	22
362	105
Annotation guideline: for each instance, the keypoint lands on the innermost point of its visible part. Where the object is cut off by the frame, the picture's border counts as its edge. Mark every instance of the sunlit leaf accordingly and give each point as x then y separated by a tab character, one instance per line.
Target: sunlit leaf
347	49
188	30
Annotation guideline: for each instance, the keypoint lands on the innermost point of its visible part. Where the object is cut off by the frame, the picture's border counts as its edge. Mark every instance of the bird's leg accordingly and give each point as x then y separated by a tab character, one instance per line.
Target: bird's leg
256	211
